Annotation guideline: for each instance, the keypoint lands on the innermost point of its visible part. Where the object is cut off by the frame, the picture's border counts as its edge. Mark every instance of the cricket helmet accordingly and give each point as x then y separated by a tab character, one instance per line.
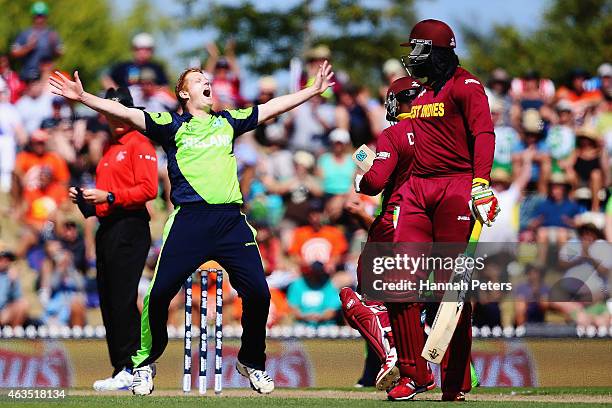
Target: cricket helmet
426	35
402	90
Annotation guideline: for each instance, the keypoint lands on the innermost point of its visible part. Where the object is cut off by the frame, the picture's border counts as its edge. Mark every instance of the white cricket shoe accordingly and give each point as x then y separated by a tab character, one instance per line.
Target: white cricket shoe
260	380
389	373
143	380
121	381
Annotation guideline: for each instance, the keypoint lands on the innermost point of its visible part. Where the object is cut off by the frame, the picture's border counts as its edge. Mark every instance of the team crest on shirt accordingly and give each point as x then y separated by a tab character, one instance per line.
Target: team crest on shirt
217	122
121	155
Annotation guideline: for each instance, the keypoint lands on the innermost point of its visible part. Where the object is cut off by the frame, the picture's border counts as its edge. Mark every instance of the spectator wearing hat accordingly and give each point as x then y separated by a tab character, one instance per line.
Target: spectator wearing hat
506	138
12	134
13	306
38	42
128	73
561	139
532	128
589	165
225	76
554	218
126	179
604	72
498	92
336	168
314	57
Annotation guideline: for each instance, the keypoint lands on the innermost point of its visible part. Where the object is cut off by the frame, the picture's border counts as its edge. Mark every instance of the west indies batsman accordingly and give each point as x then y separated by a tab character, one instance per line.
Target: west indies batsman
390	170
454	145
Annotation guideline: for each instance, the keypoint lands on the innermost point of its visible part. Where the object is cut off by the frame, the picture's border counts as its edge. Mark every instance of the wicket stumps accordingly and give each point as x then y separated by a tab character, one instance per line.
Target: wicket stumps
203	351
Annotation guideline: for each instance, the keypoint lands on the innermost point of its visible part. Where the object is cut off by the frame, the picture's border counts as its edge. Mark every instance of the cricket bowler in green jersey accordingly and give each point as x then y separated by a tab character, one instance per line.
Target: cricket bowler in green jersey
207	223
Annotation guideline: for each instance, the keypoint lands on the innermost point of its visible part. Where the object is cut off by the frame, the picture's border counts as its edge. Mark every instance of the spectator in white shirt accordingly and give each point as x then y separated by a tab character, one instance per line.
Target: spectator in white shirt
36	104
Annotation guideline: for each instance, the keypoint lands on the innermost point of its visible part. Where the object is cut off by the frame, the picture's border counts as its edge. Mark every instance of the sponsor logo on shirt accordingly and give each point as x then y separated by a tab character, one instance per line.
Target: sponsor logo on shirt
471	81
202	143
121	155
147	157
361	155
463	218
427	110
383	155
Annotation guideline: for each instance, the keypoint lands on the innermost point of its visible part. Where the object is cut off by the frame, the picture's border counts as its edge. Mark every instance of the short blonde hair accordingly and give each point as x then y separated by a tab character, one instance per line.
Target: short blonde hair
180	85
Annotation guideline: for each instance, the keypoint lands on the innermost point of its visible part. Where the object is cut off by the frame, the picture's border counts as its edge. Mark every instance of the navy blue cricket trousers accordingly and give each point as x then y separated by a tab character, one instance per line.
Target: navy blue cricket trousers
196	233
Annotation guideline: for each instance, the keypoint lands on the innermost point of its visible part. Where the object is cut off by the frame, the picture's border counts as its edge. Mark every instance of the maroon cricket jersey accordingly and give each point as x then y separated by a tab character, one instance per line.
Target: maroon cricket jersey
392	165
453	129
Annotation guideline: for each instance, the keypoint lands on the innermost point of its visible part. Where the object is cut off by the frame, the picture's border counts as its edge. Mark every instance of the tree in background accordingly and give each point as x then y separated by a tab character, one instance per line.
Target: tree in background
93	37
573	33
360	34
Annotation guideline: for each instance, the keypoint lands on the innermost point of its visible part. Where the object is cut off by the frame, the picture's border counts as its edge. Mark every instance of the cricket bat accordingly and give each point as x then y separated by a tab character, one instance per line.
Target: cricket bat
364	157
450	308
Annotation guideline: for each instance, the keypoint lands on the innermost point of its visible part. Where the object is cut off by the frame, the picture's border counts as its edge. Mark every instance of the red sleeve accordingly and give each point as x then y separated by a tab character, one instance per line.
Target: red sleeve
471	99
375	179
144	165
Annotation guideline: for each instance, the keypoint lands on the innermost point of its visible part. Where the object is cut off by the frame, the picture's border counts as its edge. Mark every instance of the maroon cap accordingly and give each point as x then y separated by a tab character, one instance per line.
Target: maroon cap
406	83
435	32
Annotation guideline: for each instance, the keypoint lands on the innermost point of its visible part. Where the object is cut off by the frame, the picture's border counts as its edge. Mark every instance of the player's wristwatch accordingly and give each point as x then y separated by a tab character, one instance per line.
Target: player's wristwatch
110	197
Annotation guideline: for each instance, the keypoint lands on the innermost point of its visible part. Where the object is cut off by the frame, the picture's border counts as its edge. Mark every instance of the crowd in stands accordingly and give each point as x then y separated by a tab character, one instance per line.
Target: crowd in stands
551	174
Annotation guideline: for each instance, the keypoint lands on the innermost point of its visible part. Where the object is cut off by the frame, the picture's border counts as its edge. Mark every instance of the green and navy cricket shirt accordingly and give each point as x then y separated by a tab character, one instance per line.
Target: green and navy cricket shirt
201	161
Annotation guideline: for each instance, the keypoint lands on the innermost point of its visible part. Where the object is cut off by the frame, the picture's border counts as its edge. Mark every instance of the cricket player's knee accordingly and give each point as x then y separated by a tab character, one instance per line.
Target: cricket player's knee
257	295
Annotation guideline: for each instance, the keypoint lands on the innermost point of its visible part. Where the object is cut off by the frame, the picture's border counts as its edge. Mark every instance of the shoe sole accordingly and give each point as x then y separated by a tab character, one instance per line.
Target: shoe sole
150	392
253	387
388	379
418	390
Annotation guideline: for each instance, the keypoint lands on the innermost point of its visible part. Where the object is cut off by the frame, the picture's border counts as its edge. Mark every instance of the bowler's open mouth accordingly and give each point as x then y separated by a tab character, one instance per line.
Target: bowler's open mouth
206	93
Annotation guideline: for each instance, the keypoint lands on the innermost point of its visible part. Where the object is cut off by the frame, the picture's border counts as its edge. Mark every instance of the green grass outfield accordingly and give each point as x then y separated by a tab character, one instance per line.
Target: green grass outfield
336	398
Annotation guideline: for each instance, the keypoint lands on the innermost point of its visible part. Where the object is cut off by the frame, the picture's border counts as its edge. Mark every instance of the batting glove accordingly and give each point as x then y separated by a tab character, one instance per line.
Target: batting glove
483	203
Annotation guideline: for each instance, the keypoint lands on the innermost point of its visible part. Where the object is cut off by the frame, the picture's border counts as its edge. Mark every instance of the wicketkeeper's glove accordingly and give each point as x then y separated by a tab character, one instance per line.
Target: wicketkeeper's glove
483	203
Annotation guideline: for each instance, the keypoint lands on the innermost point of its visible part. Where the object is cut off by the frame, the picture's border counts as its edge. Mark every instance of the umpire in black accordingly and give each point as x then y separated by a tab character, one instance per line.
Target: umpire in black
126	178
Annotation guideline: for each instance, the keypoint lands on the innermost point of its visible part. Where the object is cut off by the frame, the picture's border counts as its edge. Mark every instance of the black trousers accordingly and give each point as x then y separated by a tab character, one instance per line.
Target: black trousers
122	245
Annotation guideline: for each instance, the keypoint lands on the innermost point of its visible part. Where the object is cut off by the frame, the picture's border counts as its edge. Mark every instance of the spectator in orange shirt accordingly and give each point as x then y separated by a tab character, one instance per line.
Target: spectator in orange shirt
318	243
40	187
575	92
